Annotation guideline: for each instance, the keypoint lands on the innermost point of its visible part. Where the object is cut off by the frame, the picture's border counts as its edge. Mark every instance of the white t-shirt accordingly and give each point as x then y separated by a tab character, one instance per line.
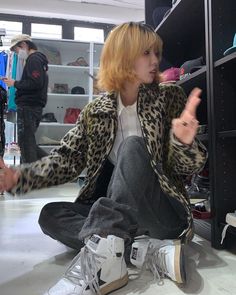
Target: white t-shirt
128	124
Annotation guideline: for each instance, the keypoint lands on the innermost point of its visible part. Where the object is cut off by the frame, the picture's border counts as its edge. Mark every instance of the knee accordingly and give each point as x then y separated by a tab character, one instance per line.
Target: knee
47	211
49	207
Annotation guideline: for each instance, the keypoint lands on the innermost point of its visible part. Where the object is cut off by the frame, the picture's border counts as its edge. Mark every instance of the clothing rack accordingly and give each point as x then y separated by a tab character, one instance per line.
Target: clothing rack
8	110
3	102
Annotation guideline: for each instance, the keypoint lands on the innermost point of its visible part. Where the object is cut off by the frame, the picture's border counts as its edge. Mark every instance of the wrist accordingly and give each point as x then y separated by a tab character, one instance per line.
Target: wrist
179	142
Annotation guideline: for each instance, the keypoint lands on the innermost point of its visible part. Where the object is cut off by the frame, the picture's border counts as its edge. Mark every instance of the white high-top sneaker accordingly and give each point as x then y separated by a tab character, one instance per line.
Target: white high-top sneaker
162	257
230	220
99	268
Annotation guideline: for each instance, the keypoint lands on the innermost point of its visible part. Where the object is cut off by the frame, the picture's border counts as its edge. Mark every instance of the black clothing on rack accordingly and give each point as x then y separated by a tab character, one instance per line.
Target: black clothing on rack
3	103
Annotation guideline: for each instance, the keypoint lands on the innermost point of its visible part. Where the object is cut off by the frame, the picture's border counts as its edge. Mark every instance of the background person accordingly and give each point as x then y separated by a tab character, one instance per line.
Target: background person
31	96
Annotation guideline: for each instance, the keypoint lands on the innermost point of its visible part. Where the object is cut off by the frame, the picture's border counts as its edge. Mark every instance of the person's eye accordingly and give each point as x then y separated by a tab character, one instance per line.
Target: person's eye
146	52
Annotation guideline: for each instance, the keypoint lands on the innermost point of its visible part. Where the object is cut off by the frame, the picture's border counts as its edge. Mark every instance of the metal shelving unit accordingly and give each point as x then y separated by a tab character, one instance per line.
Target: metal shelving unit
206	28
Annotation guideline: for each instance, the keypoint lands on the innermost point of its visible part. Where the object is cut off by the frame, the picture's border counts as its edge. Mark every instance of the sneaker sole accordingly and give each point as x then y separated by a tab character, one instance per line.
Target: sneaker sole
115	285
180	273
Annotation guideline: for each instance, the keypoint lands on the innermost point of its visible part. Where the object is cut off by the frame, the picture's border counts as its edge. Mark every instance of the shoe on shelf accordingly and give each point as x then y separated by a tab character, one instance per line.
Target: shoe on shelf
199	188
99	268
161	257
230	220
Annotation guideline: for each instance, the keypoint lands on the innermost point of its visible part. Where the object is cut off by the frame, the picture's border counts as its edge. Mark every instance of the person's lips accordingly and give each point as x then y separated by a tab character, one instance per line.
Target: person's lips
154	71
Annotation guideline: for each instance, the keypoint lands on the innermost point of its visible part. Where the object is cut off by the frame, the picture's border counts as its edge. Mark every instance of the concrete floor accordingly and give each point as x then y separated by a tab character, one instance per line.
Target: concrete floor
31	262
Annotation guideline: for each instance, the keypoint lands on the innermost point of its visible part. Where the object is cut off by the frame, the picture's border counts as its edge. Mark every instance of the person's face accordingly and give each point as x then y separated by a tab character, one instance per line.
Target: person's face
146	66
19	47
21	50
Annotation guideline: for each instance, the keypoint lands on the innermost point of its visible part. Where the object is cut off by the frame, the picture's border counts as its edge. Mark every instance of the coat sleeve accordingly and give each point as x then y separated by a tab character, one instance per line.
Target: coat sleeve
62	165
181	158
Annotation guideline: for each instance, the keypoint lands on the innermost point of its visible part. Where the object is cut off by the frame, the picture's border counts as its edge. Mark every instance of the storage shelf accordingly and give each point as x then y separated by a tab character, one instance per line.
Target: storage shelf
55	124
67	68
48	146
196	79
229	133
199	74
226	61
177	47
68	96
224	68
206	28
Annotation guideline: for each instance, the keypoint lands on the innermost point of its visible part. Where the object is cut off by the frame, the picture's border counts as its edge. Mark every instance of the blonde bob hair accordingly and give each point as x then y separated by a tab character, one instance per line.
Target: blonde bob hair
124	44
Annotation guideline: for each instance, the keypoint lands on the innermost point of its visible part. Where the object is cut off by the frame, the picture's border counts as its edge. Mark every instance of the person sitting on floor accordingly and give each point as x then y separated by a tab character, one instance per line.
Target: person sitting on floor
137	142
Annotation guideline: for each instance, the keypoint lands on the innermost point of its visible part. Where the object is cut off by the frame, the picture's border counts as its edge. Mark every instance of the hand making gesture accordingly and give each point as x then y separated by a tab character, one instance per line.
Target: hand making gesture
8	177
185	127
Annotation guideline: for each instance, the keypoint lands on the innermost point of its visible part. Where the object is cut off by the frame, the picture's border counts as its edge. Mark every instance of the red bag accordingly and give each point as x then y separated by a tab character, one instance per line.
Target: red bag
71	115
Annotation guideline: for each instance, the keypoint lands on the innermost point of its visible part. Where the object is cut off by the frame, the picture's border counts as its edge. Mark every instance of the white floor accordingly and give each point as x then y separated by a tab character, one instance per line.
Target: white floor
31	262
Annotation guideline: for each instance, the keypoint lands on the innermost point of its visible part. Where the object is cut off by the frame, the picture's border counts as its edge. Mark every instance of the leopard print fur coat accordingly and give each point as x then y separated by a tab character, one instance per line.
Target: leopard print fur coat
89	143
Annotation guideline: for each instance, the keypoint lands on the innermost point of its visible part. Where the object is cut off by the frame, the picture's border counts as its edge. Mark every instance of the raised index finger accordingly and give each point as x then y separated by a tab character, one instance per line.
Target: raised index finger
193	101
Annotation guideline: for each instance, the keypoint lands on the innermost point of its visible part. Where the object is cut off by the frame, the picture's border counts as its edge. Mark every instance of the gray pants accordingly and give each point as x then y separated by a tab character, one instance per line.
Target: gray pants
134	205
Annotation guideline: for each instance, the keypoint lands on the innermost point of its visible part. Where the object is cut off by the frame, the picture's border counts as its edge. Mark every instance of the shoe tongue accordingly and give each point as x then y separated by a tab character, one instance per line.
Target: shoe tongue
93	243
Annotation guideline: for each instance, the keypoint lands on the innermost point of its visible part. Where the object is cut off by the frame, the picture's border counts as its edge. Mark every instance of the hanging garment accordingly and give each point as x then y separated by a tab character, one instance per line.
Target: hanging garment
3	67
3	101
11	73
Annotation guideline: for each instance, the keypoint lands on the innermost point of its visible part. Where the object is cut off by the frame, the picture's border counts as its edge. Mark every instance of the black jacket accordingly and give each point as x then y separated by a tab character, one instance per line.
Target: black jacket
32	88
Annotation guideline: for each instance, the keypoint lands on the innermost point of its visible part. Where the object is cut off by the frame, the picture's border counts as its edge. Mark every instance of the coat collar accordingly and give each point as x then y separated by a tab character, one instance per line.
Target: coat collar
108	103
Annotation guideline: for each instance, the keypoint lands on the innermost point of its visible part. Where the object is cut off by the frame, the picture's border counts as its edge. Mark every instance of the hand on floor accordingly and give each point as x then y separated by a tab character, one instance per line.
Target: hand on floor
8	177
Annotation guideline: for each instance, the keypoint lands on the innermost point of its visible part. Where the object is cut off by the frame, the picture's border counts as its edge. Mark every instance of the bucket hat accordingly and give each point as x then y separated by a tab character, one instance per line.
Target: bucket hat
77	90
190	66
19	38
232	48
48	117
171	75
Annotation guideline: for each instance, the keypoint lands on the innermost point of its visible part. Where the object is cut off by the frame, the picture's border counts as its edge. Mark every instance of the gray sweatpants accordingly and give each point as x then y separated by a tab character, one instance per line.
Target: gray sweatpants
134	205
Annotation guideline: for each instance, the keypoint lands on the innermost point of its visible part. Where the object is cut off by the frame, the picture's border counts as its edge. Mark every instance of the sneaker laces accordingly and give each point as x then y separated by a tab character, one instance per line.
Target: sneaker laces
156	262
86	270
